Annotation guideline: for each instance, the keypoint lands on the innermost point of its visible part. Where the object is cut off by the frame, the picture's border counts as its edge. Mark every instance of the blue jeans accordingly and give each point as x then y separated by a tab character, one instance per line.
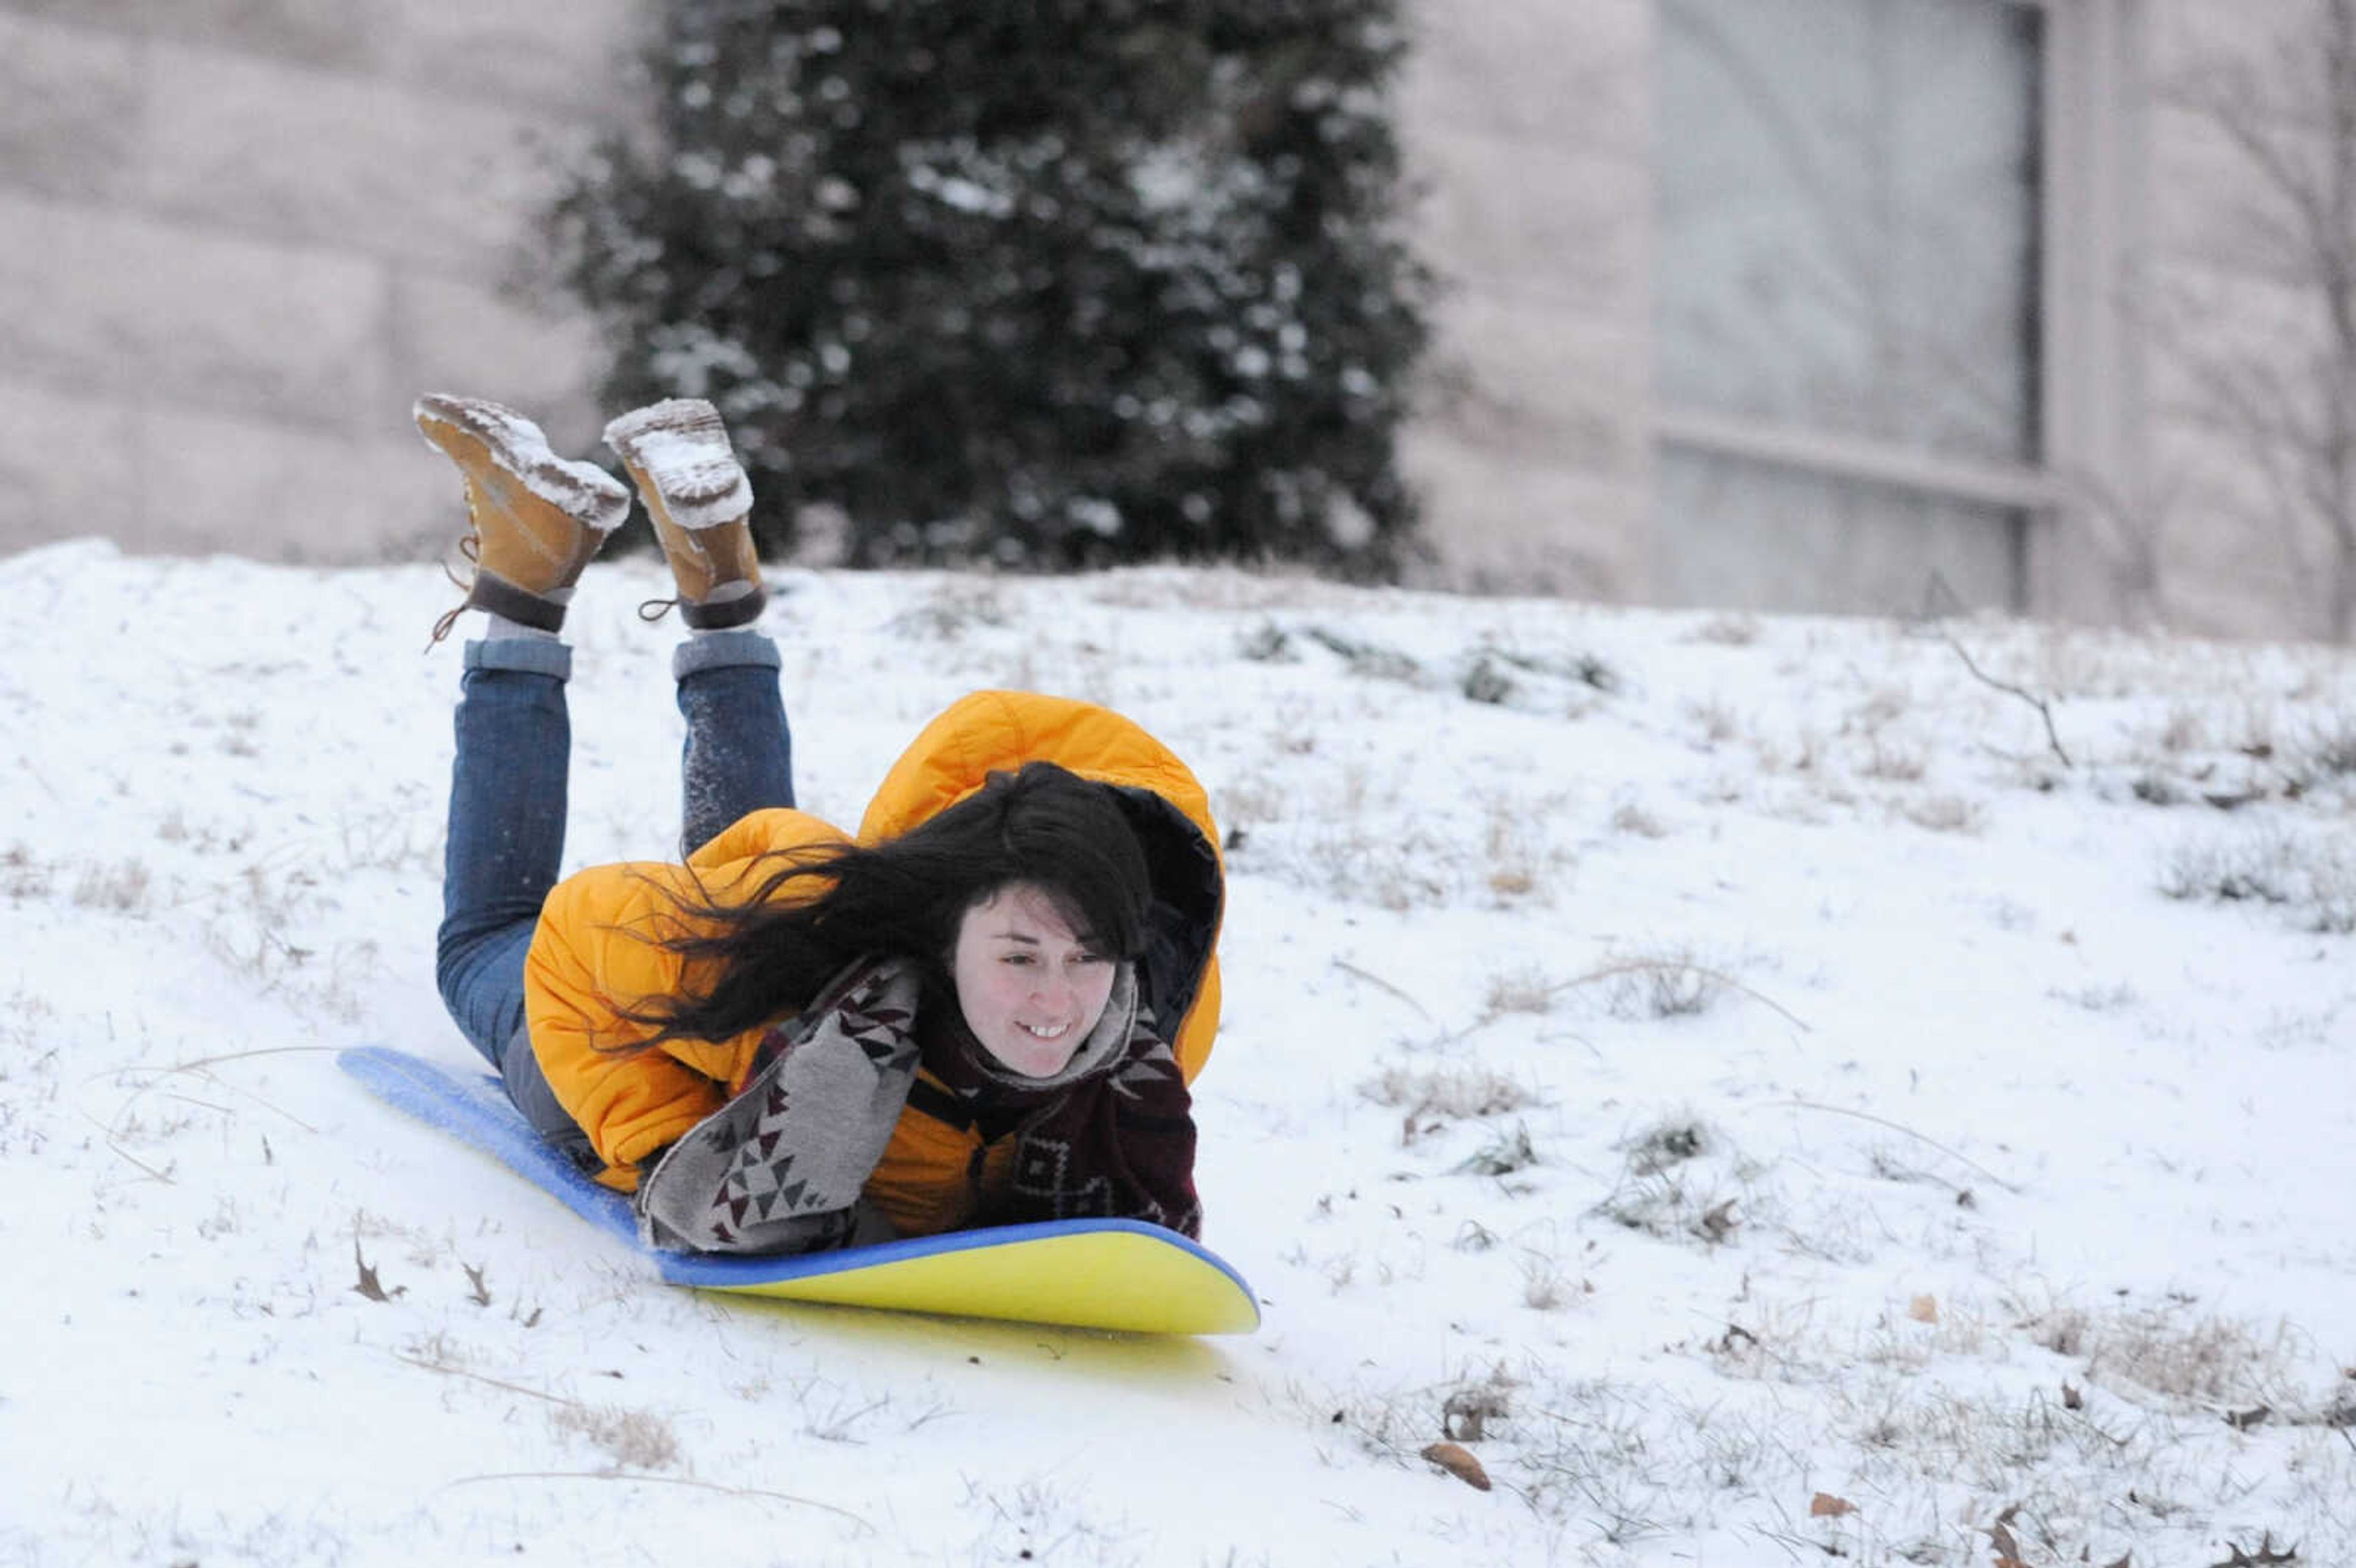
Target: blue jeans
507	788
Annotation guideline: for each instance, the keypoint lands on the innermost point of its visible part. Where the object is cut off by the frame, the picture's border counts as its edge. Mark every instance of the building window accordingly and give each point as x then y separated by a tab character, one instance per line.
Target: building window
1852	302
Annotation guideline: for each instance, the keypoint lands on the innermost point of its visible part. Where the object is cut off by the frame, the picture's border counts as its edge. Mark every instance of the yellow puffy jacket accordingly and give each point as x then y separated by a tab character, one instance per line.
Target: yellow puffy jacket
598	949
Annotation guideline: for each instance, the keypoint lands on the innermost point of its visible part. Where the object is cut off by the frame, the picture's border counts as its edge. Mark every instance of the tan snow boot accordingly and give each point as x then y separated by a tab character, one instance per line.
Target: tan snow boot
697	493
536	518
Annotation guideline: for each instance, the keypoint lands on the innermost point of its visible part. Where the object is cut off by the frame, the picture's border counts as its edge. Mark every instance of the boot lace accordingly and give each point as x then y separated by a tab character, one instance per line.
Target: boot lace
471	546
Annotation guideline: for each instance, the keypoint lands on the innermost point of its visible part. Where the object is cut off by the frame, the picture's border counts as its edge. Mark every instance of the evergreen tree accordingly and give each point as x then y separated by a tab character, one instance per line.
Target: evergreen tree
1042	282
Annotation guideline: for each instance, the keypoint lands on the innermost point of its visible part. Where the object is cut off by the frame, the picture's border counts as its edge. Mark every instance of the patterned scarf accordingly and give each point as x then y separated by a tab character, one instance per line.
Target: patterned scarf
1117	1141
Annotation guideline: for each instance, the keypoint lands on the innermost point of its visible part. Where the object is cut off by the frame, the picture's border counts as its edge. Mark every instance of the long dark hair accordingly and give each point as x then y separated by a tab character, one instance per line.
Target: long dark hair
770	951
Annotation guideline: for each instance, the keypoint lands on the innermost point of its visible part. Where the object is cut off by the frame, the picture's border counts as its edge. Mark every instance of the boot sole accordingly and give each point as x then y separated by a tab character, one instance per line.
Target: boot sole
678	453
507	445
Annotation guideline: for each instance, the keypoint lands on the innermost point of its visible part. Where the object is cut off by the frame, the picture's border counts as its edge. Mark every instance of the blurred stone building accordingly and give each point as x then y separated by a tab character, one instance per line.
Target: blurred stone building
1815	304
237	237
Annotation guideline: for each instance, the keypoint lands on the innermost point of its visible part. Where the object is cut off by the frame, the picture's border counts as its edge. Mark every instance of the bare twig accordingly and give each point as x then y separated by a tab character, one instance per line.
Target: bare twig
2044	706
1910	1132
1655	966
837	1428
1643	966
205	1064
112	1129
494	1383
108	1133
1382	985
635	1477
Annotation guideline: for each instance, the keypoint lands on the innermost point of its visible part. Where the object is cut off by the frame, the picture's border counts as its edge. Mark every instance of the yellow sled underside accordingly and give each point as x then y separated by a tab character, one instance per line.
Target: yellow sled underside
1121	1280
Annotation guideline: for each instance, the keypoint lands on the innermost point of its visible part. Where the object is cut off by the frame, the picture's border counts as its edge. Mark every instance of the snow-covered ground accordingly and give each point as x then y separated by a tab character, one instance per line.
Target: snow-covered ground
1745	1080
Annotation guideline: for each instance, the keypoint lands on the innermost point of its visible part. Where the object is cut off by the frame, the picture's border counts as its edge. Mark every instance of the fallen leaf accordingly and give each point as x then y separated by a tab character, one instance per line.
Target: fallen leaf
1923	1309
1824	1505
369	1286
1459	1462
2007	1549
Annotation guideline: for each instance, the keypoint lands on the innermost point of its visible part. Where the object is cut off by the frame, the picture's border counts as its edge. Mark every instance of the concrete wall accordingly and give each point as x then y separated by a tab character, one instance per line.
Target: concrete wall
1528	126
237	237
1532	126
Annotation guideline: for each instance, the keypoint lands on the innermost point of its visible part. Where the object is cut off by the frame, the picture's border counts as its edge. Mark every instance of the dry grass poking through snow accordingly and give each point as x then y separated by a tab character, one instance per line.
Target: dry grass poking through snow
1748	1090
1733	1125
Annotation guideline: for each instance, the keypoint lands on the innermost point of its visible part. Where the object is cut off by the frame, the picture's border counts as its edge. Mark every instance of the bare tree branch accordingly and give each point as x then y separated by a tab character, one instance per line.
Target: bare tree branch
2292	417
2044	706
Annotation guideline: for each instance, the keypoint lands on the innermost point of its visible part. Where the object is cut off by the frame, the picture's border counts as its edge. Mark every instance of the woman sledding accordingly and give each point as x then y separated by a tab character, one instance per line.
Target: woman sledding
984	1009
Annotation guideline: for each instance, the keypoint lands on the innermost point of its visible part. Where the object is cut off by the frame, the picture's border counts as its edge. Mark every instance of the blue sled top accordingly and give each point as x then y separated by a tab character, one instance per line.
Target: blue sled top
1171	1285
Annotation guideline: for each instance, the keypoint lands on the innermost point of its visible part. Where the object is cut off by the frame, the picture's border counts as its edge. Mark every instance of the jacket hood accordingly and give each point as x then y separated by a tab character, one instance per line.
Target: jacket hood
990	731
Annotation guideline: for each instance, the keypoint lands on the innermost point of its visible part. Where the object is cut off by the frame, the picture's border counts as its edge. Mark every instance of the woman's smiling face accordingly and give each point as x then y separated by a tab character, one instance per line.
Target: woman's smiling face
1030	987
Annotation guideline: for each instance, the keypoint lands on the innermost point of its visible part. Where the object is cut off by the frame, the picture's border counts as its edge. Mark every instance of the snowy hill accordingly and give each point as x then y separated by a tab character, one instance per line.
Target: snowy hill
1752	1084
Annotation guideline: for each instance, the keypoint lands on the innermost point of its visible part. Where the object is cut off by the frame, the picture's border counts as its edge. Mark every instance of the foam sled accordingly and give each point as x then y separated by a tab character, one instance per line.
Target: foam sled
1118	1275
